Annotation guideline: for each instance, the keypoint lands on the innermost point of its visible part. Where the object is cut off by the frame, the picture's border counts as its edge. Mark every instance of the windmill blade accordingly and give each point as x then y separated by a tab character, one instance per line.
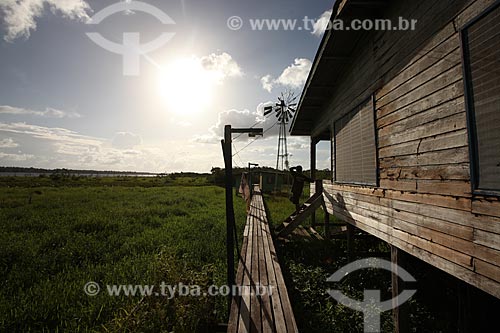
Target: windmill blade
268	110
290	109
292	104
289	114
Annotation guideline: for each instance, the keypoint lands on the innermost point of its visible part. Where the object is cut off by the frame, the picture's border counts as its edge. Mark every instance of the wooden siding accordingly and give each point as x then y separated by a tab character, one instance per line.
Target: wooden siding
424	204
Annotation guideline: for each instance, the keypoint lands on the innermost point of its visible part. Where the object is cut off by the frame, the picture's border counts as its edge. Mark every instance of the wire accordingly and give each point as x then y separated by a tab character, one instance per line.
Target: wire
255	139
257	123
241	160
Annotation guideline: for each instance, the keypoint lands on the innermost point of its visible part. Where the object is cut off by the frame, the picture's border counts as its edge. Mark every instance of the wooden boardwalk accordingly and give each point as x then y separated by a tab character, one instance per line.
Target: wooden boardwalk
258	268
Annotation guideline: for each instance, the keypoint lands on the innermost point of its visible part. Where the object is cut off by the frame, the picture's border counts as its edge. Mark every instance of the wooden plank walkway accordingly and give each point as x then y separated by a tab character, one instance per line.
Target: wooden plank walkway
252	311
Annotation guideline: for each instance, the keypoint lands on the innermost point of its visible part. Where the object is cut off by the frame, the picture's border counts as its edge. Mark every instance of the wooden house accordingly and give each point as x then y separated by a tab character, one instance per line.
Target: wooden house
414	123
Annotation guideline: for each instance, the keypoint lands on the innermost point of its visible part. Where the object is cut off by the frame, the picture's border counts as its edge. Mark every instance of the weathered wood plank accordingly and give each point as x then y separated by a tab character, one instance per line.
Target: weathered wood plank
450	187
446	61
441	157
441	81
450	124
425	58
430	199
276	302
439	97
245	305
487	269
445	141
438	172
266	312
486	206
487	239
469	13
255	311
424	117
428	205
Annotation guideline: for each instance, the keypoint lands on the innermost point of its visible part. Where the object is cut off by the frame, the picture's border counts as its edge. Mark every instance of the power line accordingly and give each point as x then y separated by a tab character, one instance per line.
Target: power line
255	139
257	123
241	160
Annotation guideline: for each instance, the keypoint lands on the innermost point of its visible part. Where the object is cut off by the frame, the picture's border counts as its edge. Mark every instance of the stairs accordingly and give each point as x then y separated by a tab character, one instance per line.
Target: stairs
294	220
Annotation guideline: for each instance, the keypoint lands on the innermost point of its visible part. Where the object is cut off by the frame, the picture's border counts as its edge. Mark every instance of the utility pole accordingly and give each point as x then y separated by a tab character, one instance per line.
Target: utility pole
230	220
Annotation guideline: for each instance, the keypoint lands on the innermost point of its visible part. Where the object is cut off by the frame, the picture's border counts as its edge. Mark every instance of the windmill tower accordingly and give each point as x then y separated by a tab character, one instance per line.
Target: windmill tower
284	110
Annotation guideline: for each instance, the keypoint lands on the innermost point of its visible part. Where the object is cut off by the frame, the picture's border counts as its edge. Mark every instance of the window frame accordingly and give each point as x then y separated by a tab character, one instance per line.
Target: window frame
470	107
376	184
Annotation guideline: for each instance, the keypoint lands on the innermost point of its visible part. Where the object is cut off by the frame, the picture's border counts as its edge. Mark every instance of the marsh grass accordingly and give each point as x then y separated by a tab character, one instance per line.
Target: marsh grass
110	234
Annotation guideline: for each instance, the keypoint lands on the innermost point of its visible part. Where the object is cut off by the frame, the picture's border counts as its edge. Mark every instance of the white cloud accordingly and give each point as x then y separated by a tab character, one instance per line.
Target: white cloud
222	65
294	76
321	23
126	140
267	82
240	119
19	16
15	157
8	143
48	112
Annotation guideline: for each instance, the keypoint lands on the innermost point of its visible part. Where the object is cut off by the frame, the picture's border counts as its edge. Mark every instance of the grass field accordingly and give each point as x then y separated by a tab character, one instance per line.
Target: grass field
99	231
60	233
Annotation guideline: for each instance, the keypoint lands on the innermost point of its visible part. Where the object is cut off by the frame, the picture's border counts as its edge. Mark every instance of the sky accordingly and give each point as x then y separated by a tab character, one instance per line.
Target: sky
67	102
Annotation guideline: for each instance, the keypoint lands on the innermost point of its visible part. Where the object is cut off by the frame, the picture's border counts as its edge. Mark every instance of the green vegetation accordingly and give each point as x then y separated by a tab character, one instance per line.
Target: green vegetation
60	232
111	231
308	264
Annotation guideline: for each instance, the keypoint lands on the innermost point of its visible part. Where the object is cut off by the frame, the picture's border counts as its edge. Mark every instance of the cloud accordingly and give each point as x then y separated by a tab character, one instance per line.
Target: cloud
240	119
48	112
19	16
294	76
8	143
222	65
126	140
15	157
267	82
321	23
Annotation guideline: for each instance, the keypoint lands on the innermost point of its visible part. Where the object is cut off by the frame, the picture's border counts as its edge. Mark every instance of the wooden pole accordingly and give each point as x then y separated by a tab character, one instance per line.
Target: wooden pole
313	173
399	314
230	221
350	242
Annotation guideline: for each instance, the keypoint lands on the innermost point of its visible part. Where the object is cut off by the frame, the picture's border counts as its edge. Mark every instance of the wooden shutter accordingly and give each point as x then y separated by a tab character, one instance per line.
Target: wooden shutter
355	148
483	62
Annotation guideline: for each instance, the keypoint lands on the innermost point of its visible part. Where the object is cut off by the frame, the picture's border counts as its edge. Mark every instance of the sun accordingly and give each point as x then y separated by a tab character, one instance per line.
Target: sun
186	87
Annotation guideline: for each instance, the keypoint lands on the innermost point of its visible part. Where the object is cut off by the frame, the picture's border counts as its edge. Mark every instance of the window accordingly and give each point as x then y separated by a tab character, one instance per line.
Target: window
481	45
355	147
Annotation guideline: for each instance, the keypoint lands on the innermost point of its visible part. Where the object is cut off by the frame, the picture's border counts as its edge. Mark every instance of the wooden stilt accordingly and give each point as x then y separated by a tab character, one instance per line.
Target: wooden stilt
399	314
350	242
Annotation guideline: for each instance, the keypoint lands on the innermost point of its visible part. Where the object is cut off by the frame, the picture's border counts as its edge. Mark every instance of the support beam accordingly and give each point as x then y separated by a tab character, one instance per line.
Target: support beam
399	314
464	307
350	242
314	142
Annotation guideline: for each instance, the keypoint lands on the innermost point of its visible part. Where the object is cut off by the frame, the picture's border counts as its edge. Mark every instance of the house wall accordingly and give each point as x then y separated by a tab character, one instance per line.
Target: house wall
423	204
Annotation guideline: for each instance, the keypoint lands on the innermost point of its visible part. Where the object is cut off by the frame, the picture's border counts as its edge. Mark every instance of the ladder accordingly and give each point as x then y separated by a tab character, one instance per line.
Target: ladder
294	220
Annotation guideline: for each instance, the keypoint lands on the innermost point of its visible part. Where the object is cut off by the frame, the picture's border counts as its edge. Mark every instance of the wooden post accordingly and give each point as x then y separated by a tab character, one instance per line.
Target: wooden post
350	242
313	173
399	314
230	221
464	307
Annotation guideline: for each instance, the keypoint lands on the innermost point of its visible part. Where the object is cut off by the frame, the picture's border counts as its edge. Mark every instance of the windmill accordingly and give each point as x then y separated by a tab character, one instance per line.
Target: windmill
283	110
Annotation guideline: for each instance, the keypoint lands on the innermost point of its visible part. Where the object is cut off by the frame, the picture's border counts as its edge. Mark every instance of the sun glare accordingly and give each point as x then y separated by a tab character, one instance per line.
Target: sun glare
186	87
